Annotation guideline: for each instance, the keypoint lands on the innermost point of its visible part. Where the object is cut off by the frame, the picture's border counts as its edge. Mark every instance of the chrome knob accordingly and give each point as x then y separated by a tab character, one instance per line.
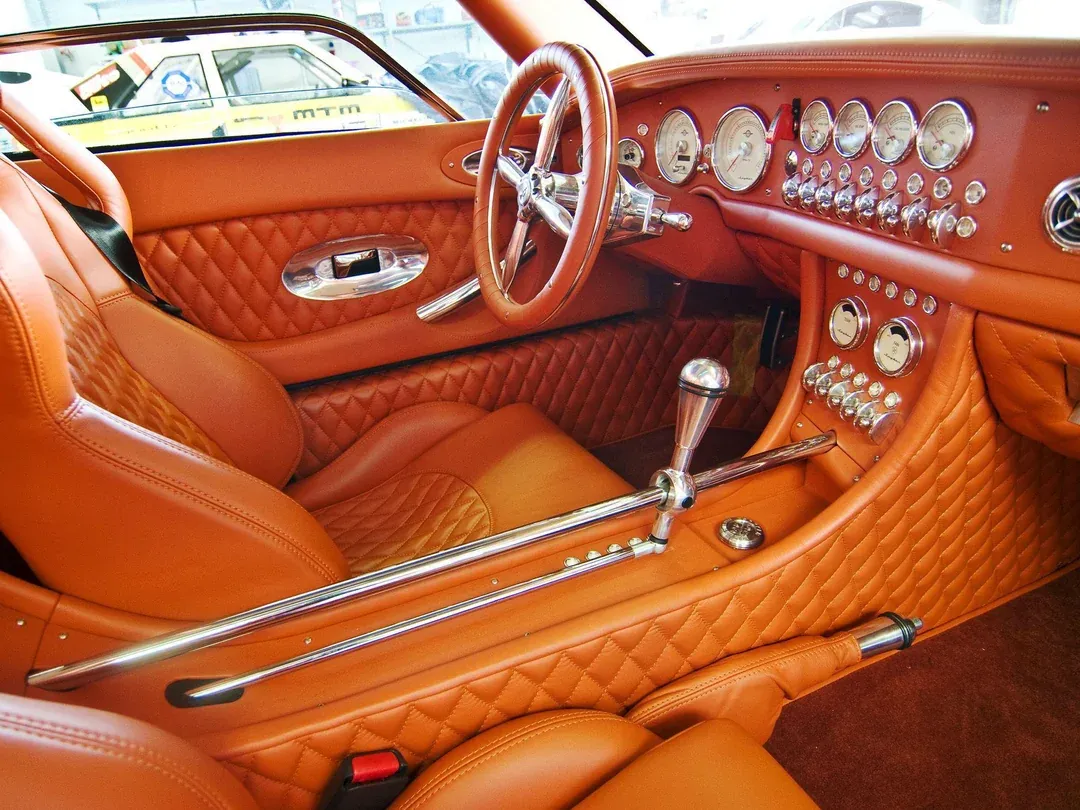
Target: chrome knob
810	376
807	191
825	382
866	205
942	224
913	216
677	220
888	212
838	393
823	198
702	384
852	403
790	189
879	422
844	202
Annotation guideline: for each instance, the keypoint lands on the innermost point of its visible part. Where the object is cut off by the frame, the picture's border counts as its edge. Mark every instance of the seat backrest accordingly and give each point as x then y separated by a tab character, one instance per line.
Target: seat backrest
142	458
53	755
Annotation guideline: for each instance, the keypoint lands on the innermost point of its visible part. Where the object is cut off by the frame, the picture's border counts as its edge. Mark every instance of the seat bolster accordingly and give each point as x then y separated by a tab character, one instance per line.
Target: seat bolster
384	451
55	755
545	760
714	764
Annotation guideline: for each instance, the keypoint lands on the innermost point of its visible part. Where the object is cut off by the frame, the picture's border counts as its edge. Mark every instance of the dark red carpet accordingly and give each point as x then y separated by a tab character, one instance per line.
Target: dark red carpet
636	459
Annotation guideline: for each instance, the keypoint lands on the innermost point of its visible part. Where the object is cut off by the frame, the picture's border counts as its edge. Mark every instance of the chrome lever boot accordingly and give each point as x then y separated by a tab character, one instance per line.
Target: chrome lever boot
702	384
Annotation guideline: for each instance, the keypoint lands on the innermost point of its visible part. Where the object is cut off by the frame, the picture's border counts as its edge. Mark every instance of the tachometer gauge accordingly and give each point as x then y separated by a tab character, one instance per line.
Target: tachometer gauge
897	347
740	149
678	146
893	134
945	135
852	129
815	125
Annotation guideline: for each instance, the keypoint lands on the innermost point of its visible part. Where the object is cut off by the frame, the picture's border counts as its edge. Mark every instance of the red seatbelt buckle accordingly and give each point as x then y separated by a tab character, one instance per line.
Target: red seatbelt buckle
368	781
783	125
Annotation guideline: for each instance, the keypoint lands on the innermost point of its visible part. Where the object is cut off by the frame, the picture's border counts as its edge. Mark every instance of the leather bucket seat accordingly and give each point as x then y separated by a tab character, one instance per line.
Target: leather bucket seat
144	460
83	759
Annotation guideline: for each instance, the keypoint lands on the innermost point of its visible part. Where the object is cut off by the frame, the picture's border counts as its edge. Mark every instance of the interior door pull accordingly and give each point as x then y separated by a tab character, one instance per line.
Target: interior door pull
354	267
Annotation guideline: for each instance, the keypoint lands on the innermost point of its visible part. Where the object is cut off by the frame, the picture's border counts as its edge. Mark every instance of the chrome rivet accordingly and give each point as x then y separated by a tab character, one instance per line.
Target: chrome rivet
825	170
63	636
833	362
716	568
847	370
307	640
866	176
844	172
798	424
495	581
975	192
808	166
809	401
613	548
768	192
914	183
861	379
1006	247
966	227
642	129
857	479
451	164
1042	106
858	277
20	622
891	290
874	283
892	399
877	459
929	305
593	555
889	180
776	87
526	634
910	298
634	541
570	562
942	188
843	271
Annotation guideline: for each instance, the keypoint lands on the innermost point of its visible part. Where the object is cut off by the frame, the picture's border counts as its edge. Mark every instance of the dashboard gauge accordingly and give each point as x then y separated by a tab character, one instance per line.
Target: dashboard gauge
849	323
631	153
852	129
740	149
678	146
893	133
897	347
815	126
945	135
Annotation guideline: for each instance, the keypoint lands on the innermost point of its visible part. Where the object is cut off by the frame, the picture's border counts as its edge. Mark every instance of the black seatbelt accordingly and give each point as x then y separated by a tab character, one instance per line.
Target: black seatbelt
113	242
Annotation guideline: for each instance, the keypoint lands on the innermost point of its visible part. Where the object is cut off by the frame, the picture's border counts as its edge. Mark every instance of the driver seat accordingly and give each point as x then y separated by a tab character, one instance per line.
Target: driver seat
144	461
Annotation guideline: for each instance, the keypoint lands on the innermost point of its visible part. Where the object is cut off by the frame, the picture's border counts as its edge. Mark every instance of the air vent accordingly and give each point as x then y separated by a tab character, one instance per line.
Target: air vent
1061	215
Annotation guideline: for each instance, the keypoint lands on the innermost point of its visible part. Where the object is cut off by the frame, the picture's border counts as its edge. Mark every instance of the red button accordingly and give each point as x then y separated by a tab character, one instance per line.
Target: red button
373	767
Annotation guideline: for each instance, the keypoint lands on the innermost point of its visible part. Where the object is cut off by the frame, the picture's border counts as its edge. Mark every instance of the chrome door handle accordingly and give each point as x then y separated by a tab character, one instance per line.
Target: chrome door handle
354	267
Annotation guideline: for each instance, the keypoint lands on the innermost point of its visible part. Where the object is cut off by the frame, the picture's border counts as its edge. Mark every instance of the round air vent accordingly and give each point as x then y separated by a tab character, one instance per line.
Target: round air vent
1061	215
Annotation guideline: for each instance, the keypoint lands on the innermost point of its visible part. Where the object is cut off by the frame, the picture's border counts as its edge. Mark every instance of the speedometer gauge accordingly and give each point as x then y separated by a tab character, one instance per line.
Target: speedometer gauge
852	130
740	149
815	125
893	134
945	135
678	146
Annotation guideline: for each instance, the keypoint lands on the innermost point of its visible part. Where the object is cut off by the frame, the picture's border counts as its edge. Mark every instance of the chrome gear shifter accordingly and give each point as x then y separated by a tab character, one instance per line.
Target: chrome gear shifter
703	382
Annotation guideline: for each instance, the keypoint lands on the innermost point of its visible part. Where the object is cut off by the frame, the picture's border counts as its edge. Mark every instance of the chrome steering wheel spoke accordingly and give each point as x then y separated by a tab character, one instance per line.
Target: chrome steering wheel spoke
508	267
551	126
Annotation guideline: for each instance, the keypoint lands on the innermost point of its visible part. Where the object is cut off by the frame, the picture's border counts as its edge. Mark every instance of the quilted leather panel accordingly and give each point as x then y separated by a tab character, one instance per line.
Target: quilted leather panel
979	512
101	375
226	275
405	518
778	261
1025	372
600	384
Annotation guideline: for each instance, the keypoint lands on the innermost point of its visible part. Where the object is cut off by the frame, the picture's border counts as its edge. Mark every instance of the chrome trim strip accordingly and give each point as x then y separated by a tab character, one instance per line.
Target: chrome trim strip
312	272
88	670
522	157
571	570
227	23
436	308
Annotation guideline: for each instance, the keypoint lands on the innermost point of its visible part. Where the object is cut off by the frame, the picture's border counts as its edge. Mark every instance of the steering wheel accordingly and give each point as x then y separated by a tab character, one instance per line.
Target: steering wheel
538	187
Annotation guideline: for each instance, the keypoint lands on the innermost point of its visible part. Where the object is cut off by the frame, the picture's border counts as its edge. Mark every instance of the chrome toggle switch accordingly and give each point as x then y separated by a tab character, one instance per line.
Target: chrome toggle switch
942	224
807	191
879	422
913	216
844	202
888	212
838	393
825	382
810	376
866	206
823	198
789	190
852	403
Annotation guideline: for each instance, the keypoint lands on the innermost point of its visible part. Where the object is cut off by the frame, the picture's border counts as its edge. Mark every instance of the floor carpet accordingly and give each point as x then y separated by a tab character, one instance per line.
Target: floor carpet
984	715
636	459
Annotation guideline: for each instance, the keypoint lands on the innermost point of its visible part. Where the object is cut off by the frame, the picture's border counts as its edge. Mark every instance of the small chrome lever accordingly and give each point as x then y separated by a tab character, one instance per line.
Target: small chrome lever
465	292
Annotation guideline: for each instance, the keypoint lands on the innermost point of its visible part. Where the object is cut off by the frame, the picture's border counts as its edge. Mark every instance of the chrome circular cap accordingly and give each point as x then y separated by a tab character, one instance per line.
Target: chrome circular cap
705	376
741	533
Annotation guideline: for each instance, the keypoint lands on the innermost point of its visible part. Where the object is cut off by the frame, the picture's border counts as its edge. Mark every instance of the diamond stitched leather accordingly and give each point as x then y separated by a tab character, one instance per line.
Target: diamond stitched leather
778	261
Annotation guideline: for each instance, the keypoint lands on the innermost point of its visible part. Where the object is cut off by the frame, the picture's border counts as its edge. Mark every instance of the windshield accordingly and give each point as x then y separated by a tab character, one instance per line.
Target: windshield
670	26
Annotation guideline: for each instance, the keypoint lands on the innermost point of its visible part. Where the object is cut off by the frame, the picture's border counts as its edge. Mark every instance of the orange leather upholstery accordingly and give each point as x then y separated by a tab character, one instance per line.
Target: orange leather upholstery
52	755
778	261
145	458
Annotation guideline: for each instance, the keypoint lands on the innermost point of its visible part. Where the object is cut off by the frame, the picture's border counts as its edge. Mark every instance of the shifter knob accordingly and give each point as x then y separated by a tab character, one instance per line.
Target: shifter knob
702	384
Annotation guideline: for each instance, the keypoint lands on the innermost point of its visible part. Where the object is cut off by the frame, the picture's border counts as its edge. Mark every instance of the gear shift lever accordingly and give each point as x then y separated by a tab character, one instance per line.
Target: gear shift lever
702	384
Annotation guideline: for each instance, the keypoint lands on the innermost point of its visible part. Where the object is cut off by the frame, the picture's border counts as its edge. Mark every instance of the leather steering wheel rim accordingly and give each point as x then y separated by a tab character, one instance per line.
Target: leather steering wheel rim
599	165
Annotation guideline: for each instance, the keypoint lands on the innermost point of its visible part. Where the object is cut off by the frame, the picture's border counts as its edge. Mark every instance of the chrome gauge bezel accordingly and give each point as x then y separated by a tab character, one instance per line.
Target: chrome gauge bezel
623	144
896	102
969	134
828	134
740	108
915	340
862	328
657	140
869	128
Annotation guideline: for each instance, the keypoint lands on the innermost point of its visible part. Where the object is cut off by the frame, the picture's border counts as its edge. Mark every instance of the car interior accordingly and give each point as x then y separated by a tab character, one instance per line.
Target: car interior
709	439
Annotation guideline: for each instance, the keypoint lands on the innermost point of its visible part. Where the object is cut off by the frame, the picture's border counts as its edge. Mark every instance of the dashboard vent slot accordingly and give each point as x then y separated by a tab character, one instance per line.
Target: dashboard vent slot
1061	215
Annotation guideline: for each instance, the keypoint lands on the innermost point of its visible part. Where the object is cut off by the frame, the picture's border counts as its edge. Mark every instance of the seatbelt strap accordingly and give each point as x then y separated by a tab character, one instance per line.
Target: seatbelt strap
113	242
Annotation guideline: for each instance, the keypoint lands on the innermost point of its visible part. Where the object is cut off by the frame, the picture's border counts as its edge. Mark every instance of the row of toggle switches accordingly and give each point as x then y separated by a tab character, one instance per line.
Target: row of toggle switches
869	207
863	403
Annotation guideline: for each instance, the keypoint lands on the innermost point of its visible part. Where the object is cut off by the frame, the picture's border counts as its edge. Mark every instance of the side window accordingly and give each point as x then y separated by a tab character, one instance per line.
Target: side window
273	69
176	78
